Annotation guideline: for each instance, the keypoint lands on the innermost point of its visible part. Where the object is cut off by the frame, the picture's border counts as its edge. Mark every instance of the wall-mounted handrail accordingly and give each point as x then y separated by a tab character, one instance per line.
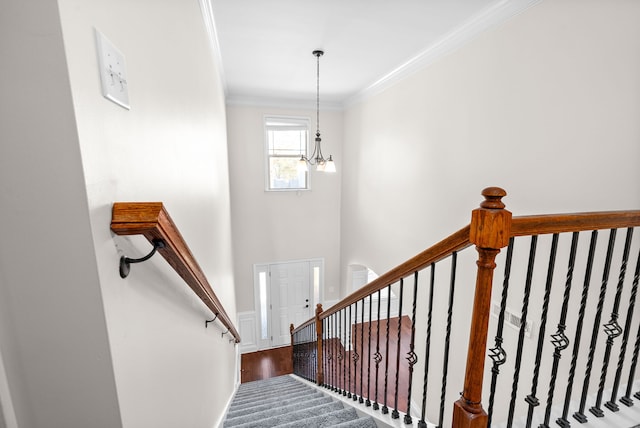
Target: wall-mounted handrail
151	220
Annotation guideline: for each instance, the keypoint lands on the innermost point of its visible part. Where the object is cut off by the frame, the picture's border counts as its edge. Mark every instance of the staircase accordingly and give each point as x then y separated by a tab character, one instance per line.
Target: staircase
285	402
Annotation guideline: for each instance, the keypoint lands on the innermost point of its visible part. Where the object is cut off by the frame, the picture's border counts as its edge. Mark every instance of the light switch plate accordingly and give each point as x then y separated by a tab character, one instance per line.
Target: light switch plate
113	73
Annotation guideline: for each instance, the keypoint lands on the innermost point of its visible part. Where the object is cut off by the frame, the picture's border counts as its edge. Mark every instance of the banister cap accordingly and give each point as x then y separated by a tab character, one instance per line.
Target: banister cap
493	198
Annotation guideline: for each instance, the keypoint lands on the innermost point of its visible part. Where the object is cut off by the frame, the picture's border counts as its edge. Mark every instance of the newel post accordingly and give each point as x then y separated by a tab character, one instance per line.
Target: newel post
490	231
320	372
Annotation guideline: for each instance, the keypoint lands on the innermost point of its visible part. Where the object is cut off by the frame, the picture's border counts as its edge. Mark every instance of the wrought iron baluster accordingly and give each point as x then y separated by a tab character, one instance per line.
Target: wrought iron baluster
445	366
523	326
355	356
531	399
626	400
361	349
350	350
497	353
336	350
340	356
612	330
368	402
579	415
385	409
615	327
378	356
563	421
327	352
313	345
559	340
412	358
423	415
395	414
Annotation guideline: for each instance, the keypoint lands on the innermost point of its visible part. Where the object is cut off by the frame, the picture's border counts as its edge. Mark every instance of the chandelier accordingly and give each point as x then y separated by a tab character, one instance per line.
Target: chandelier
317	158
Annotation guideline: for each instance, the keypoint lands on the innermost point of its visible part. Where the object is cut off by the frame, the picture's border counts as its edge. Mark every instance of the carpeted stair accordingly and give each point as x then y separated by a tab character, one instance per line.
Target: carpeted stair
285	402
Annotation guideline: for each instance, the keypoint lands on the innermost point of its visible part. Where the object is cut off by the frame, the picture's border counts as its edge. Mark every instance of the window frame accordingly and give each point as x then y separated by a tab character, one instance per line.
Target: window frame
294	120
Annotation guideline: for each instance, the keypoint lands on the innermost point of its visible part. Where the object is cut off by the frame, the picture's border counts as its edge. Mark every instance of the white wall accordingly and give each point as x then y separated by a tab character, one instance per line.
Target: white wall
53	334
545	106
171	147
81	346
280	226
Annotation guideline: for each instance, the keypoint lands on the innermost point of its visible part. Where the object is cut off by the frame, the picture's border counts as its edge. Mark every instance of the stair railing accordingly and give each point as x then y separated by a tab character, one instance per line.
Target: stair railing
354	336
151	220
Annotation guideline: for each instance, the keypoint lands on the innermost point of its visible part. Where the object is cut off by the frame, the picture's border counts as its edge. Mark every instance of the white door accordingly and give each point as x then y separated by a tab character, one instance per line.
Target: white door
290	293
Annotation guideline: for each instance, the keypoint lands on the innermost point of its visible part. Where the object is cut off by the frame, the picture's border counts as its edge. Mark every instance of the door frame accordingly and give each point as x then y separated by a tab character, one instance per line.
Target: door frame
316	294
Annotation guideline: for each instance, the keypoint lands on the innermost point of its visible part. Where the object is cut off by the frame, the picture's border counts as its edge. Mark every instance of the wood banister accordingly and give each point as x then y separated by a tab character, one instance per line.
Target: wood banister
576	222
455	242
151	220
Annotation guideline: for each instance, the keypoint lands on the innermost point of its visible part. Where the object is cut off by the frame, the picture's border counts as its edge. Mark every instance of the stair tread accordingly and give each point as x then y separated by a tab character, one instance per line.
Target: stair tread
278	411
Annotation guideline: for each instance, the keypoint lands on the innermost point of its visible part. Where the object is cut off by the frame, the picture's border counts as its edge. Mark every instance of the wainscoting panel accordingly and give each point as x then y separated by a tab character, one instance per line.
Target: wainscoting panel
248	326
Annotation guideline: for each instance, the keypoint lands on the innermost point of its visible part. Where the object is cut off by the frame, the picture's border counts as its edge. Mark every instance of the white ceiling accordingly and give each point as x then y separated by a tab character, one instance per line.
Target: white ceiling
266	45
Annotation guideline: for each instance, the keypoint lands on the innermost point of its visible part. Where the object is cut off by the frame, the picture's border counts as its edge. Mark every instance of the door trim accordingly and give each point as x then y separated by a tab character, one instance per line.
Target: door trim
316	296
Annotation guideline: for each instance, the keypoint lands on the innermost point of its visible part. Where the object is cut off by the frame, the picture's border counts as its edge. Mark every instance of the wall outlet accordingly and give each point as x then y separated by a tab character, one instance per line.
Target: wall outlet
113	73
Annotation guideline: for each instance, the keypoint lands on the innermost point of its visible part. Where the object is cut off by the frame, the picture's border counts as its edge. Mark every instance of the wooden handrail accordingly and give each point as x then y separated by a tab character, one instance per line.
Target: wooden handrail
577	222
151	220
455	242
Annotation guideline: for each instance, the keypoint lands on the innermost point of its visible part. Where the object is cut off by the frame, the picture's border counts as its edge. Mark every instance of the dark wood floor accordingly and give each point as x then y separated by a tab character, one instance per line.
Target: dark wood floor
266	364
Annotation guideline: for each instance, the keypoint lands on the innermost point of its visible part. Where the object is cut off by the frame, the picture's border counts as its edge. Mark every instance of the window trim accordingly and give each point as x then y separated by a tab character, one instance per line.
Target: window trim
303	120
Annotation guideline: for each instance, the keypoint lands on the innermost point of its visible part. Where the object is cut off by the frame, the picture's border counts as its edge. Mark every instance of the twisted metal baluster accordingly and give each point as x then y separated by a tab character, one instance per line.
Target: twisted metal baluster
611	404
523	325
612	330
314	352
350	347
368	402
497	353
361	400
377	357
336	360
385	409
395	414
627	328
340	356
531	399
412	358
423	423
626	400
356	356
563	421
579	415
445	368
327	352
559	339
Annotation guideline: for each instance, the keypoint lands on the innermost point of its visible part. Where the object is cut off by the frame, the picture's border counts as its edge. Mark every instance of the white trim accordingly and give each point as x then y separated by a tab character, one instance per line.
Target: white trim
262	267
210	26
488	18
257	101
267	179
248	329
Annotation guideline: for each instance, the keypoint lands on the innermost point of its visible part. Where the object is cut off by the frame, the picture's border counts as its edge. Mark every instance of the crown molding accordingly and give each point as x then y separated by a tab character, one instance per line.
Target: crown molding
210	26
488	18
287	104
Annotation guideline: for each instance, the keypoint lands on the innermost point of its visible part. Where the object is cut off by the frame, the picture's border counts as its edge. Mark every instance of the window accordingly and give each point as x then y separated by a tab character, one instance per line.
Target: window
286	140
